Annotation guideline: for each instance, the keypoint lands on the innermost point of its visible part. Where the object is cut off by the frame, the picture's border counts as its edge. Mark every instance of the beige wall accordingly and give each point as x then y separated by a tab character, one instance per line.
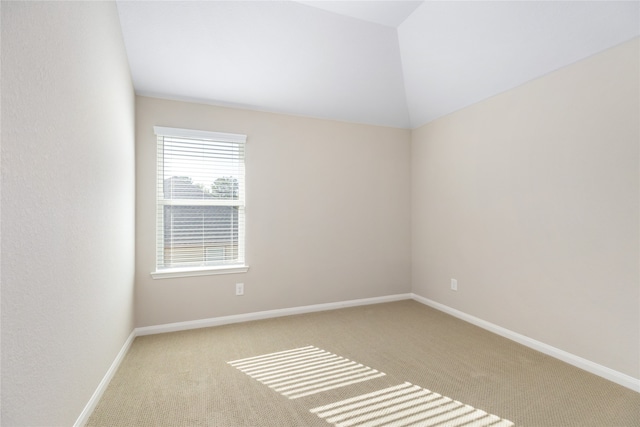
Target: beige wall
530	200
68	202
328	214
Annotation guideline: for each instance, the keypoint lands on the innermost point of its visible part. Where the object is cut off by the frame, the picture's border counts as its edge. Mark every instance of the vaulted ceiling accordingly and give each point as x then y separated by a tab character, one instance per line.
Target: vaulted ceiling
391	63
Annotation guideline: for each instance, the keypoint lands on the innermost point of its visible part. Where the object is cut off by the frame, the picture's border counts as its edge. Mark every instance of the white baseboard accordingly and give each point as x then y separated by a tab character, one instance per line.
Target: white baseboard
216	321
91	405
577	361
587	365
237	318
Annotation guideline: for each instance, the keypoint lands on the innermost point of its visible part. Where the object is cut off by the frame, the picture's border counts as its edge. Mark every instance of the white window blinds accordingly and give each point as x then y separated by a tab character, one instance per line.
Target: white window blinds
200	199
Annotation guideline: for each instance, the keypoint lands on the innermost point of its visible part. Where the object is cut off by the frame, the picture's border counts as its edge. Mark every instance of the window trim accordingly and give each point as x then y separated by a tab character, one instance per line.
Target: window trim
199	134
201	270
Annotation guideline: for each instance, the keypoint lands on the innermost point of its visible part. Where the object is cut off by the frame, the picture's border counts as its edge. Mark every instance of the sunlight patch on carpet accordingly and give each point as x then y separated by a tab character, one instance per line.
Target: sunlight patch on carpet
405	405
304	371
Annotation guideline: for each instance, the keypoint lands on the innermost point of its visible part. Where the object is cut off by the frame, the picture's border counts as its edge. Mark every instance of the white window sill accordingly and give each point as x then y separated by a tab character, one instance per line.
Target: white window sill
201	271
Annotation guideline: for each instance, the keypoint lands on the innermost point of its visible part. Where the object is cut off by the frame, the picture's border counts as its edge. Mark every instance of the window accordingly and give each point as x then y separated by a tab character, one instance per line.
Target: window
200	203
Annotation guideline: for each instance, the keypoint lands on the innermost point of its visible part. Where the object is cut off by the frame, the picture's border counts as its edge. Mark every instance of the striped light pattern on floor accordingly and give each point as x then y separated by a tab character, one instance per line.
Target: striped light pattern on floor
405	405
304	371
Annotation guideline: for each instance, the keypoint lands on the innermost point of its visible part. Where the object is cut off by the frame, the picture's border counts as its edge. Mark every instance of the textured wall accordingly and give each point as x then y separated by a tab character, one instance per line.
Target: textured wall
530	200
67	206
327	214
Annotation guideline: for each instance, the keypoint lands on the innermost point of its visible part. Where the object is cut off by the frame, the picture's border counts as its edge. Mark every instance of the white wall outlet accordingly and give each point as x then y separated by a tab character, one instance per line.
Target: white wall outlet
454	285
239	288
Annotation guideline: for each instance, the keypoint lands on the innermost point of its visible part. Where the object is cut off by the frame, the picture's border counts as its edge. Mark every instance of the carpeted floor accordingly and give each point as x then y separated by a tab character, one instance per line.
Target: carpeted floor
394	364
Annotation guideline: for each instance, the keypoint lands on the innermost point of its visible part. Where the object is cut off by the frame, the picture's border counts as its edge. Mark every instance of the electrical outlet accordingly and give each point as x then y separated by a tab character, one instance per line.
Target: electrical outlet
454	285
239	288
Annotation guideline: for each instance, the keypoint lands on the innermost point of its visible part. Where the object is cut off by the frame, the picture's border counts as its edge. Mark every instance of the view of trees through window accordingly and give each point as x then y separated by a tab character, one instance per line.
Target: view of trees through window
183	187
225	188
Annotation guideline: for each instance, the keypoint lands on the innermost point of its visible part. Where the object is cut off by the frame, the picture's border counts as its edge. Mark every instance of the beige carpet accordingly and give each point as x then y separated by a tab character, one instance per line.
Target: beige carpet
397	364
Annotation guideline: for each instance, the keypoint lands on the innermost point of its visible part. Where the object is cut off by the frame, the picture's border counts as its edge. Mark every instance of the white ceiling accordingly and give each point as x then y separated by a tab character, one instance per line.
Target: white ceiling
391	63
389	13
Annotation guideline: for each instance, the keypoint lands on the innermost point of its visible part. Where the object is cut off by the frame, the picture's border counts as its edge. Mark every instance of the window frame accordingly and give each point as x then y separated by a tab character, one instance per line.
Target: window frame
161	202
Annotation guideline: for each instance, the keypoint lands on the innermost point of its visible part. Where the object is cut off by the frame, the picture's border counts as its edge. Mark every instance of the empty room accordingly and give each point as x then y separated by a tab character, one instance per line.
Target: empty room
320	213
